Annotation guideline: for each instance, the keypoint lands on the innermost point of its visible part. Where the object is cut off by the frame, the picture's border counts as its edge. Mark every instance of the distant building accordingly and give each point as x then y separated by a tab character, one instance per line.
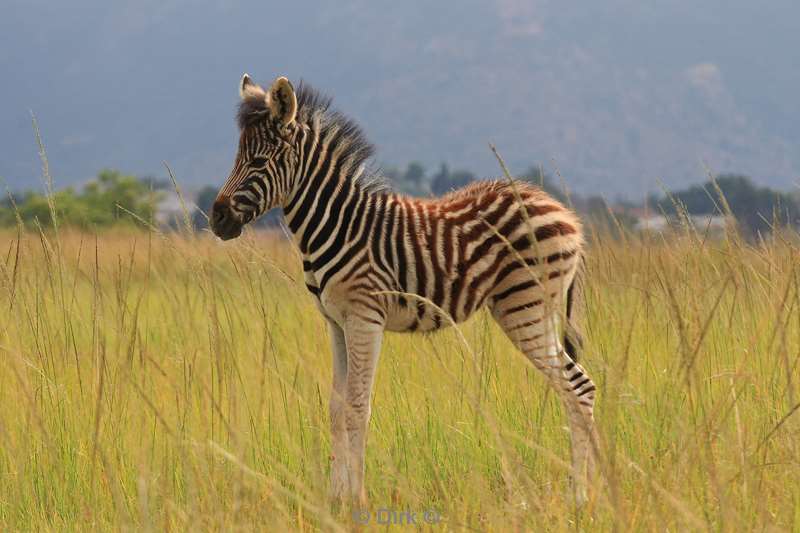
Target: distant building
656	223
713	223
170	212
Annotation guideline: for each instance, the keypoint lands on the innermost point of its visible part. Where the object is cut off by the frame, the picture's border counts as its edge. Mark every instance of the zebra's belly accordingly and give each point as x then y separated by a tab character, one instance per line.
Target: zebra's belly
409	322
412	318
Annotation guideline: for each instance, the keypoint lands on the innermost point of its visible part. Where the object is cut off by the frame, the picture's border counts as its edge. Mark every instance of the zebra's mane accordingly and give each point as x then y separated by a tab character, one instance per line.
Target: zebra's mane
314	110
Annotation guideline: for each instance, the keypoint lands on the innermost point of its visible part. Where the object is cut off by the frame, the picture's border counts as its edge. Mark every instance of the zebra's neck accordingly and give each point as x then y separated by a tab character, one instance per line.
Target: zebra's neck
327	200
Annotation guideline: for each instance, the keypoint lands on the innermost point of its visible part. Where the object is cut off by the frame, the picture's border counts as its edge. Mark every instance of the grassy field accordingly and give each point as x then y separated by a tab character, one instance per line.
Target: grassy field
174	383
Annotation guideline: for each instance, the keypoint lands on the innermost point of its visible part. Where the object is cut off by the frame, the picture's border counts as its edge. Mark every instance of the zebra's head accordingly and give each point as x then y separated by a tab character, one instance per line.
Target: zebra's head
266	160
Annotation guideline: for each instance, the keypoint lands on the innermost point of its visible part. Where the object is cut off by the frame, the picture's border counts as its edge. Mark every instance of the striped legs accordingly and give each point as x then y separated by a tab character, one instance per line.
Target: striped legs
356	351
533	328
576	390
340	482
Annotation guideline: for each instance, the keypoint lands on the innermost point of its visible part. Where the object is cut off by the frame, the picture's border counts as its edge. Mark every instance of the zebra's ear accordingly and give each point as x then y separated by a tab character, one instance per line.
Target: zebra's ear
282	101
248	88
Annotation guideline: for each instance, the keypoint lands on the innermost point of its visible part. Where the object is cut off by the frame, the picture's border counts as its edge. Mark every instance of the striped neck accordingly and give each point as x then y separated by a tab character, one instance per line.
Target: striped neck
327	183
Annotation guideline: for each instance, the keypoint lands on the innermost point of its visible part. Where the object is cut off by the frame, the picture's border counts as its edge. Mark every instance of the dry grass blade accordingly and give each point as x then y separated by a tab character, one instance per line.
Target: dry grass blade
205	377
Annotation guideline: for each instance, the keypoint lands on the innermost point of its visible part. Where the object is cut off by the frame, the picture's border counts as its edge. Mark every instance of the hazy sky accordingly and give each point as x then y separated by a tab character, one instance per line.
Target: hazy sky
613	94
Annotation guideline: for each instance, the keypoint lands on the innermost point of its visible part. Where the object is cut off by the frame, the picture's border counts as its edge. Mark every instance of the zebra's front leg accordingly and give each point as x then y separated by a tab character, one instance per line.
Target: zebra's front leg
340	481
363	349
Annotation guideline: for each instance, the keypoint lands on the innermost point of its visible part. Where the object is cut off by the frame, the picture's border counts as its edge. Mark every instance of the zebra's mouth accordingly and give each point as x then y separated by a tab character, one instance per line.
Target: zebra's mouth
223	222
229	232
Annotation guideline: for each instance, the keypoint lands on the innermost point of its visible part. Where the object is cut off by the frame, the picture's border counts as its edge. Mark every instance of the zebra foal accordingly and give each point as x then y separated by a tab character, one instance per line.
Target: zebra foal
368	253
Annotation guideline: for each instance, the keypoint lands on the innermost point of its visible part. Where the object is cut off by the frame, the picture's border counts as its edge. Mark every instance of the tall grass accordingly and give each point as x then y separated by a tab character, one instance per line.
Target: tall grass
153	382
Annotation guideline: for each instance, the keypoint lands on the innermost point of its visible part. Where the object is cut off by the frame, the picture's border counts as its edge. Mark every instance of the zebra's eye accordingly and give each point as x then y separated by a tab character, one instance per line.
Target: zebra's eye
258	162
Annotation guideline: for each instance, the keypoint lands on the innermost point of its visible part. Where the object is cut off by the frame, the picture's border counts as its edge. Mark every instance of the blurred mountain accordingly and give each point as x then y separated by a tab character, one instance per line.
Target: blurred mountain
614	96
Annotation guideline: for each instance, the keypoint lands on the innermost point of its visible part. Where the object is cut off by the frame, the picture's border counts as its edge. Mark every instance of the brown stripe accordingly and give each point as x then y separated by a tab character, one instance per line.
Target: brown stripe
530	261
416	246
438	273
448	245
371	306
525	324
402	259
506	231
522	307
490	219
553	230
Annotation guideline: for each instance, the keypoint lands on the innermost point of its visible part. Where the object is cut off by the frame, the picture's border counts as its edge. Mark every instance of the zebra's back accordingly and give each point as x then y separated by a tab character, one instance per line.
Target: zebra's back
486	243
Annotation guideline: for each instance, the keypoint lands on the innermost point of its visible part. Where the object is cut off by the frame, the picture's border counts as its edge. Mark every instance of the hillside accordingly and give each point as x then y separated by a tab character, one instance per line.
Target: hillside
614	96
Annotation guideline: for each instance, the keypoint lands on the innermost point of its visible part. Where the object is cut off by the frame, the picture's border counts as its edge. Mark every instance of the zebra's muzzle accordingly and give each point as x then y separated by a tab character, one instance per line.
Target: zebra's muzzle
224	222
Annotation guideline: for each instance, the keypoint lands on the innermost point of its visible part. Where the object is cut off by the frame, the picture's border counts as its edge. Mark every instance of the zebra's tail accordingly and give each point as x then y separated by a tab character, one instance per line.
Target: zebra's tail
573	339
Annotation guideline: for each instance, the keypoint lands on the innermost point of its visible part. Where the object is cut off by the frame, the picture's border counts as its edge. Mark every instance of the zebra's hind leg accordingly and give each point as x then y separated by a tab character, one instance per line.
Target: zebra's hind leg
532	325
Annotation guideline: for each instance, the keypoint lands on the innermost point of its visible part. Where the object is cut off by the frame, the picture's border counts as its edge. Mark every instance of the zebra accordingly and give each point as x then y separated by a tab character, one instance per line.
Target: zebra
378	261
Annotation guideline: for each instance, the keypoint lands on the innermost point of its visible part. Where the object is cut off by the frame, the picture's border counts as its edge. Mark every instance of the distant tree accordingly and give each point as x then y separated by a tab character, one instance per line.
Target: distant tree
755	208
604	217
114	197
411	181
537	176
393	174
111	199
204	200
445	180
32	206
158	184
415	174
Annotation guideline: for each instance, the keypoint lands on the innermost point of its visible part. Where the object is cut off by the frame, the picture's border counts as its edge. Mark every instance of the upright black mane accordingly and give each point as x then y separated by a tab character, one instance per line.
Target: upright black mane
314	107
310	99
314	110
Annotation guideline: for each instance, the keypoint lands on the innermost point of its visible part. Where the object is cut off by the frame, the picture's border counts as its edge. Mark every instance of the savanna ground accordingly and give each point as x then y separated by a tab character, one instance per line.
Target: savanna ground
176	383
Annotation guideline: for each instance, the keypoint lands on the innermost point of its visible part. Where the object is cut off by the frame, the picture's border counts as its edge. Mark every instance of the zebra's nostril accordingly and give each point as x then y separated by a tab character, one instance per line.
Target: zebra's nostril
219	211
